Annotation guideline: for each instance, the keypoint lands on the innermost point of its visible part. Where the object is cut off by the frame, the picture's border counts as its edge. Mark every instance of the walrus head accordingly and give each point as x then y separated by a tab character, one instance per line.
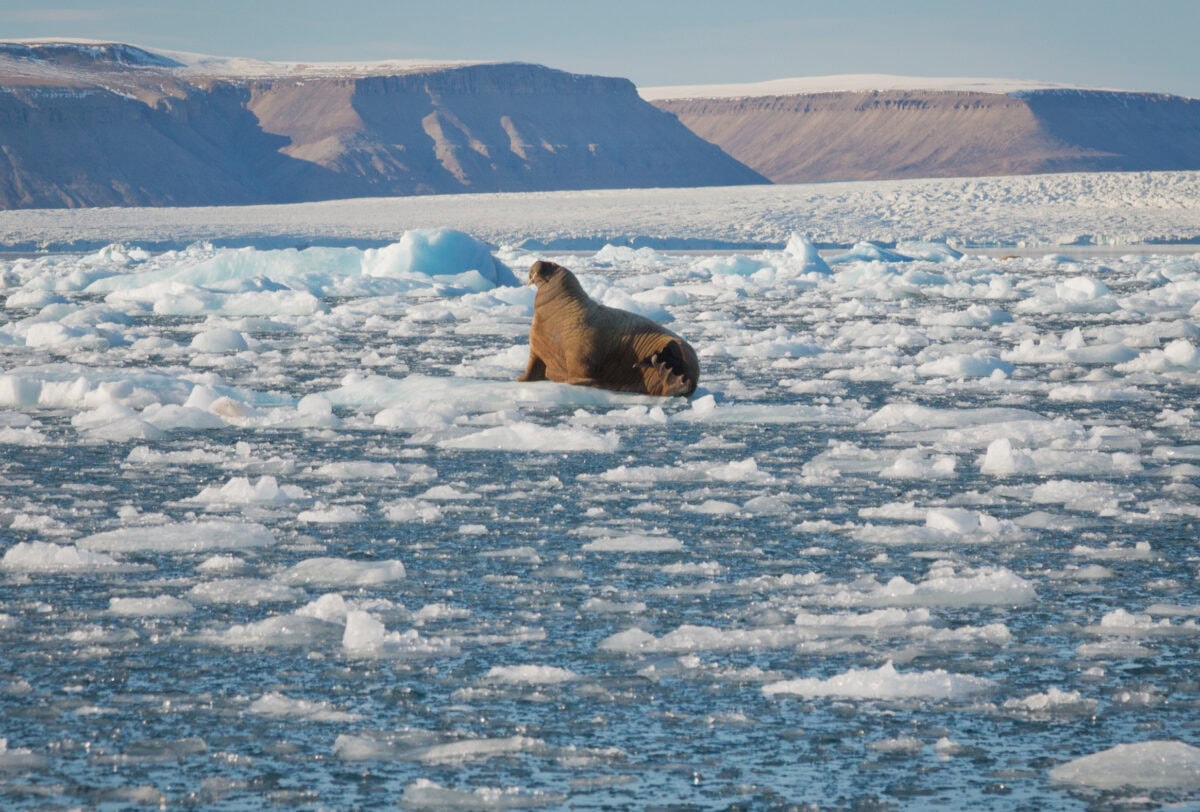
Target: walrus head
543	271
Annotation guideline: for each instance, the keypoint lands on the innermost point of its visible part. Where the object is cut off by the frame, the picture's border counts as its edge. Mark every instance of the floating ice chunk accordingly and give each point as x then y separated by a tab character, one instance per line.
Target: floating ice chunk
976	365
529	675
357	469
633	416
913	417
412	510
1003	460
806	630
911	463
767	505
278	706
331	607
1077	294
170	417
162	606
25	436
437	252
916	463
116	423
223	564
414	400
1081	288
342	572
1093	497
220	339
426	794
712	507
1177	356
446	493
804	255
867	252
1054	702
181	537
884	682
604	292
472	749
1096	393
19	392
733	265
634	543
431	748
769	413
332	514
961	521
1144	765
1129	624
604	606
51	334
930	251
43	556
290	631
33	299
901	745
739	471
986	586
523	436
239	491
1140	551
366	635
406	418
244	591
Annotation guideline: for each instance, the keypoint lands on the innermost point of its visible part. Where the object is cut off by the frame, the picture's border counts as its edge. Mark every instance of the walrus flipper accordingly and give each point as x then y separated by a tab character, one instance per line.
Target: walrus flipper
672	370
535	370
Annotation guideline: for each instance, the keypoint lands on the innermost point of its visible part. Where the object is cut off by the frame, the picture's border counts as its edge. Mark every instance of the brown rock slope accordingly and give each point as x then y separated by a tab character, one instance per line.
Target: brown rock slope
106	124
909	134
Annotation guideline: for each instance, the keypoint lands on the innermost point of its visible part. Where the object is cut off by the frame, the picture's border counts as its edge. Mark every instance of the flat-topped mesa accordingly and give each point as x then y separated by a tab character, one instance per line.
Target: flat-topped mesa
867	128
186	129
63	54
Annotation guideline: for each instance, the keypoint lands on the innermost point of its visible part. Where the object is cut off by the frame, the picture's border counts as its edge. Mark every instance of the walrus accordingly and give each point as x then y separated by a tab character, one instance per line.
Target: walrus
574	339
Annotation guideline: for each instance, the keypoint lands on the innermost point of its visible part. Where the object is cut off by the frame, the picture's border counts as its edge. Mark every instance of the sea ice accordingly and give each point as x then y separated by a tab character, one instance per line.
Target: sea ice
181	537
884	683
1141	765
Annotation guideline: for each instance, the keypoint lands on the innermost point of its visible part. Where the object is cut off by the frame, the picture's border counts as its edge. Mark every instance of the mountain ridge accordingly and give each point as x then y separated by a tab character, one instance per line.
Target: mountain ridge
921	127
101	124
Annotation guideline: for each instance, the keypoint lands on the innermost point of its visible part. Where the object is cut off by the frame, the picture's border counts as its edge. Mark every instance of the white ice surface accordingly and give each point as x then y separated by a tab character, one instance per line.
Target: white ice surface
1038	210
1144	765
884	682
910	454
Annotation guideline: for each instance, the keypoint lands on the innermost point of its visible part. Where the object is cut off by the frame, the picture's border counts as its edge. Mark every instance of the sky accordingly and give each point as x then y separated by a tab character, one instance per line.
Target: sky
1147	45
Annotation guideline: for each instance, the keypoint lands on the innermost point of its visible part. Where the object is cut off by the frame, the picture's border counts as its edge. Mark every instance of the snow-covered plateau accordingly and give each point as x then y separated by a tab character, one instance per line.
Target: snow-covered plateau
279	527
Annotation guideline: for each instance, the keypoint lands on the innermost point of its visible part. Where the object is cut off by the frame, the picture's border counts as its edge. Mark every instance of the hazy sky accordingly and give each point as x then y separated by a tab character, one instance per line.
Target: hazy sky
1135	45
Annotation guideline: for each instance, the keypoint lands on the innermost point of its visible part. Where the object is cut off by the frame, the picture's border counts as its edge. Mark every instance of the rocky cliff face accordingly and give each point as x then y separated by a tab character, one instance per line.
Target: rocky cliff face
913	133
102	124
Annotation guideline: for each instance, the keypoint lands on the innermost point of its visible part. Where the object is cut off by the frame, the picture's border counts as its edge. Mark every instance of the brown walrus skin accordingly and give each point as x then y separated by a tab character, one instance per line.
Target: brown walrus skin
576	340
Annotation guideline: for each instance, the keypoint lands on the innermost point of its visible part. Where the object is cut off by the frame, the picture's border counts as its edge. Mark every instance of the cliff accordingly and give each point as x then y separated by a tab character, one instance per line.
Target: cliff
912	133
108	124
